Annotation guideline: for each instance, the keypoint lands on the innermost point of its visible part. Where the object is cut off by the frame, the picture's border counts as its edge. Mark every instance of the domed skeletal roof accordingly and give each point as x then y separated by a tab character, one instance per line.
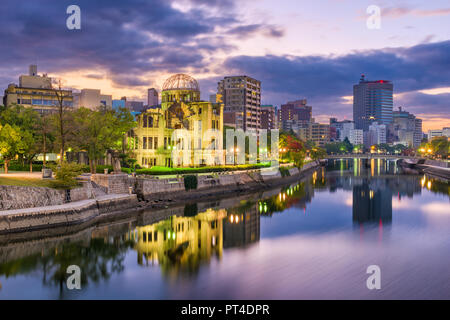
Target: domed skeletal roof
181	81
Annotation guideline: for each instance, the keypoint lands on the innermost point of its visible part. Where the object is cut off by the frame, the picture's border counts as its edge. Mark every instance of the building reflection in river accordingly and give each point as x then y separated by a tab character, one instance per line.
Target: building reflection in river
181	243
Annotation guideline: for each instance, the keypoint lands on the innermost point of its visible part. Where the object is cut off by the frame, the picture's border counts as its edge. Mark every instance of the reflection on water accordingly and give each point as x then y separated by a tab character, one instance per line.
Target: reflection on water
198	241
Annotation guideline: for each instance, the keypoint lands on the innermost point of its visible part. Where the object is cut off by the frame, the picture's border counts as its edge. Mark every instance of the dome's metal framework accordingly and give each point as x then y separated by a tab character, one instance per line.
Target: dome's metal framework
181	81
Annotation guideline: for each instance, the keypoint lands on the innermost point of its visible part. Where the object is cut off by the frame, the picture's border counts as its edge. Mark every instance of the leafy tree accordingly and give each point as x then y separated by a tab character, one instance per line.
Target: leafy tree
62	119
18	122
440	146
317	153
100	130
65	174
348	147
333	148
11	143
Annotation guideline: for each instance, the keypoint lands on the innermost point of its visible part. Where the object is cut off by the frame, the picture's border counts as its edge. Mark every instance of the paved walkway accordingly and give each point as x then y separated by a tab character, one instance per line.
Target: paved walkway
22	174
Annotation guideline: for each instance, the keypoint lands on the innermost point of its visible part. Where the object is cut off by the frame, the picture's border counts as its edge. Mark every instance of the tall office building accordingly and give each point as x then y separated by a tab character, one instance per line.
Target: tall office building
241	96
152	98
372	102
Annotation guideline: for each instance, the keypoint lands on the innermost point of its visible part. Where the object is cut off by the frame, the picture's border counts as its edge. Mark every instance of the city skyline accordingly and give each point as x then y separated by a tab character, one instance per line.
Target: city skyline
125	49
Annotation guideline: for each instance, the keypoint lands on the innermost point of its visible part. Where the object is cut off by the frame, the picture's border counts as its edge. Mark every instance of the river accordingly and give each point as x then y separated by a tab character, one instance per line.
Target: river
313	239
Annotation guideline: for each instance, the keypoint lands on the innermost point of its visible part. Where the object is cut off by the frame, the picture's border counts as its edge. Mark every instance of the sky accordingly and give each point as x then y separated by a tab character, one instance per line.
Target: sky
298	48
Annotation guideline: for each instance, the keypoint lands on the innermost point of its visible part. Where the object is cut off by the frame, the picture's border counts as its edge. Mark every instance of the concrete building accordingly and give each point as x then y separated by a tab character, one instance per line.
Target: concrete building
136	106
407	128
372	102
319	134
356	137
268	117
435	133
92	99
116	104
180	108
241	96
152	97
316	132
294	114
446	131
36	92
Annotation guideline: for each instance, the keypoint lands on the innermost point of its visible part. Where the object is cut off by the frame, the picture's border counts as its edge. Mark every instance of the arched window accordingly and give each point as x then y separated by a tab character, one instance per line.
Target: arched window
144	121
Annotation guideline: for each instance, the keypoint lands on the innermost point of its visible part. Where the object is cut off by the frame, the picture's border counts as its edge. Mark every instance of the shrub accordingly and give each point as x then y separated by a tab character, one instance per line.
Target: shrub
284	172
126	170
65	174
190	182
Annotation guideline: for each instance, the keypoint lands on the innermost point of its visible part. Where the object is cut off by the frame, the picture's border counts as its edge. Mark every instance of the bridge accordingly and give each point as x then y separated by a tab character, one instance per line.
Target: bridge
368	156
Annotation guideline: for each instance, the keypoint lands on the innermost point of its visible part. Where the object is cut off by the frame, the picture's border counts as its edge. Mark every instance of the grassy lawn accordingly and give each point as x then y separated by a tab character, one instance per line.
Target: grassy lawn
27	182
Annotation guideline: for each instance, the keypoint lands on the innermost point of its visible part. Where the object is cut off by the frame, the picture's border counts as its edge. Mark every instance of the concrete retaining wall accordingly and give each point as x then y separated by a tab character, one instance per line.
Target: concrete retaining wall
112	183
17	197
437	163
152	188
65	214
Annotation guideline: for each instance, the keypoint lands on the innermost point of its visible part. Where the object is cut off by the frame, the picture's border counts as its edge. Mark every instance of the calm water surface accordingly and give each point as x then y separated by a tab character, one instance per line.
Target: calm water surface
313	239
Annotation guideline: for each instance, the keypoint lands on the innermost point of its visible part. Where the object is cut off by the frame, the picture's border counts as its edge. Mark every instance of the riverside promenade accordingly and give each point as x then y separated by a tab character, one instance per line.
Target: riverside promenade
113	194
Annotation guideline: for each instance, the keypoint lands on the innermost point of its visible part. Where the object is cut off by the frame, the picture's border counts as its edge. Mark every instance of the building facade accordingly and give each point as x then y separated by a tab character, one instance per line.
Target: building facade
372	102
36	92
241	96
180	108
356	137
268	117
407	128
294	114
375	135
92	99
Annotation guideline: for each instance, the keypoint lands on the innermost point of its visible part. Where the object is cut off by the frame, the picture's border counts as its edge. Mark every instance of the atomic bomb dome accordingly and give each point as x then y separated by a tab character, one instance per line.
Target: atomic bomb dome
181	81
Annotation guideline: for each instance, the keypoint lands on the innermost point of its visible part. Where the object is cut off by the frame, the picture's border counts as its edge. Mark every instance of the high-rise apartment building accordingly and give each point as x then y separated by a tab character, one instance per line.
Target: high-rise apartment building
241	96
372	102
268	117
152	97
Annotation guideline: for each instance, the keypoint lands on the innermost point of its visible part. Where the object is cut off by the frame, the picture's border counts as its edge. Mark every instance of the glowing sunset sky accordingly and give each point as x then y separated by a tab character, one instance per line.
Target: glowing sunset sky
298	49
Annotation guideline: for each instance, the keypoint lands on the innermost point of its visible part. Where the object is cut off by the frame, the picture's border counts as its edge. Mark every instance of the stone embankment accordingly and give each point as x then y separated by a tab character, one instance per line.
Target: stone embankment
27	208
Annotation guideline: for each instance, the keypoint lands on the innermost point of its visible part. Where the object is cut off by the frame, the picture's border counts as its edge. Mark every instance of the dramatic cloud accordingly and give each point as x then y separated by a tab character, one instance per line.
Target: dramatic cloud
126	46
325	80
119	37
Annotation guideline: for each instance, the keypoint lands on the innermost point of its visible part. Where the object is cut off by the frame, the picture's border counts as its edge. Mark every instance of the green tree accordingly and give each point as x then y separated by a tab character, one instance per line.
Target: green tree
100	130
347	146
19	122
62	119
440	147
11	143
317	153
